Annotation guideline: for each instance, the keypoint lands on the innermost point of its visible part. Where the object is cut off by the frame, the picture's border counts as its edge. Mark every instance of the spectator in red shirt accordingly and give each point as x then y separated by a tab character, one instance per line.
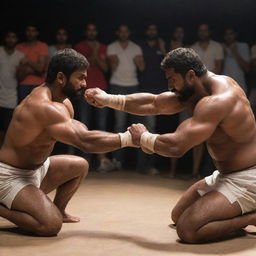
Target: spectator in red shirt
33	68
94	118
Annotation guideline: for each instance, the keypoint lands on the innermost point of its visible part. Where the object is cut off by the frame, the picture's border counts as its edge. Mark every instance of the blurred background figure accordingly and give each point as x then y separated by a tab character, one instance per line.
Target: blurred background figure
252	80
61	41
33	68
152	80
236	58
125	59
10	60
177	38
94	118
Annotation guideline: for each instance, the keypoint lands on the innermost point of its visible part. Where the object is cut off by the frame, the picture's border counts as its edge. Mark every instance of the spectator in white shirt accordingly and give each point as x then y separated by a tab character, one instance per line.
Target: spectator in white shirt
210	51
125	58
236	57
10	60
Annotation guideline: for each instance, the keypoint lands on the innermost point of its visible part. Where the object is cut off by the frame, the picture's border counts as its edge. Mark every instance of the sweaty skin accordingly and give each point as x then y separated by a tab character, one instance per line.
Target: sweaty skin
222	117
38	122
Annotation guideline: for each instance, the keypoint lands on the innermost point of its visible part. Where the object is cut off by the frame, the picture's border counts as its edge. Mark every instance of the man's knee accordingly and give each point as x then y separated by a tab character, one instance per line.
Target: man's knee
50	228
186	234
175	215
81	165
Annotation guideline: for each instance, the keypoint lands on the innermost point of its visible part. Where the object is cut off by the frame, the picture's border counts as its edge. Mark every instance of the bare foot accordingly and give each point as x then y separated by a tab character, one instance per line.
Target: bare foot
69	219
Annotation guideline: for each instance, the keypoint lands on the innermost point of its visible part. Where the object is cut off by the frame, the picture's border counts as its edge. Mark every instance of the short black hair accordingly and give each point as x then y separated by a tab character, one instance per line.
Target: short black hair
66	61
182	60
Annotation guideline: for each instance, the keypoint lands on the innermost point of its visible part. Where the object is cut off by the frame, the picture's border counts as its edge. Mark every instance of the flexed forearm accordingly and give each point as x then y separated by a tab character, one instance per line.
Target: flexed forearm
103	142
137	103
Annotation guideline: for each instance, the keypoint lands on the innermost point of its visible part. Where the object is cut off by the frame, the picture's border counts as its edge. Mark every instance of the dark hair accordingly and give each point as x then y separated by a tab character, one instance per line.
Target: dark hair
182	60
66	61
9	30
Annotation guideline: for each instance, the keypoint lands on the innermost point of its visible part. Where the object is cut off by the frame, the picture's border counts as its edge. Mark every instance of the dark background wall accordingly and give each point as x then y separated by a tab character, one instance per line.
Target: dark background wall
74	14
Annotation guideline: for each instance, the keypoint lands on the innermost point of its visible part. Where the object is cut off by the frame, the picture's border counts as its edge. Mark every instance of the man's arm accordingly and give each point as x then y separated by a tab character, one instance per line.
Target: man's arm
139	62
193	131
218	66
72	132
138	103
243	62
113	61
39	67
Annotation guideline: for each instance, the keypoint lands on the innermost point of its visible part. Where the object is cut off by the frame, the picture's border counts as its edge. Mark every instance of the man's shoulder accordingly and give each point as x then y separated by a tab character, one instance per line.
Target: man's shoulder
113	44
80	44
215	44
21	46
134	45
19	54
41	45
44	109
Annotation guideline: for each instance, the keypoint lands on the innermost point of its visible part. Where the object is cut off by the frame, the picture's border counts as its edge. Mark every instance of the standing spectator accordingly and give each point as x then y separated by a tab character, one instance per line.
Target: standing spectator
96	53
253	79
34	66
177	39
152	81
211	53
236	57
61	42
10	59
125	58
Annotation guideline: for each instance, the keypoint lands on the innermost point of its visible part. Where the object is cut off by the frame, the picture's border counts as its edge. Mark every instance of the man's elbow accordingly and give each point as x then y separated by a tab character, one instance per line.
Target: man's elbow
176	152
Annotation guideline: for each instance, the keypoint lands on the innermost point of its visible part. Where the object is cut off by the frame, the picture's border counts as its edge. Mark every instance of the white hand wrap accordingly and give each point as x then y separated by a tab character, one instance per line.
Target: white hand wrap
147	142
114	101
126	139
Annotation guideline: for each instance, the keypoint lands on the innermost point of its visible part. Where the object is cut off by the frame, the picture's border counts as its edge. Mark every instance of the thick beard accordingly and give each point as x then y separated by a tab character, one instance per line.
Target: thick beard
185	93
71	93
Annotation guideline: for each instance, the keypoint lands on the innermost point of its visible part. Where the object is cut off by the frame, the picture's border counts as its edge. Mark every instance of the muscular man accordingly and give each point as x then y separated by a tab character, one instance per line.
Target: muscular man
222	203
27	173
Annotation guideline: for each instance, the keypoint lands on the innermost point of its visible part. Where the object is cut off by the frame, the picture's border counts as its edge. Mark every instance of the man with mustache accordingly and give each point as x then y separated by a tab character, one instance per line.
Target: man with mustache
223	203
27	173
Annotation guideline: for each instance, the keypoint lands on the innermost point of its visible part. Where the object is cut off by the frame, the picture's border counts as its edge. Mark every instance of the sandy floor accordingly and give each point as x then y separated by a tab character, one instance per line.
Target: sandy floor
124	214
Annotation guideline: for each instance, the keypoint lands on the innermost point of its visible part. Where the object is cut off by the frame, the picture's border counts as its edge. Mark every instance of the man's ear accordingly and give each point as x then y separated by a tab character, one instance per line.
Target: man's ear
191	76
61	79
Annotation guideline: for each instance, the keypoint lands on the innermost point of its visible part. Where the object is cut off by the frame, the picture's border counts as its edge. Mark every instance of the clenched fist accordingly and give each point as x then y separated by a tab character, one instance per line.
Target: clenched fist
136	131
96	97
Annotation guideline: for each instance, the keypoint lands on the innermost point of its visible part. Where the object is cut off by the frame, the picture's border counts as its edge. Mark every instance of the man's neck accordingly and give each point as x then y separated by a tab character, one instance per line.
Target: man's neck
31	43
56	93
9	50
124	44
152	42
202	89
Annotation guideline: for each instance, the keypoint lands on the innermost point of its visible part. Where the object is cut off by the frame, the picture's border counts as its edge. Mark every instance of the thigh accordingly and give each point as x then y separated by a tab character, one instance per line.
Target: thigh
62	169
213	206
35	202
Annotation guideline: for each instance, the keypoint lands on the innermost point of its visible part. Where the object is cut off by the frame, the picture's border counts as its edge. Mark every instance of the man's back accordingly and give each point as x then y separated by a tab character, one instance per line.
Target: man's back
232	145
27	143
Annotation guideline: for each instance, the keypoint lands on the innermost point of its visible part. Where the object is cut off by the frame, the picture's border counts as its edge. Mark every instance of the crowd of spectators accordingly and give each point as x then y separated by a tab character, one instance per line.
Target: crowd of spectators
124	66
